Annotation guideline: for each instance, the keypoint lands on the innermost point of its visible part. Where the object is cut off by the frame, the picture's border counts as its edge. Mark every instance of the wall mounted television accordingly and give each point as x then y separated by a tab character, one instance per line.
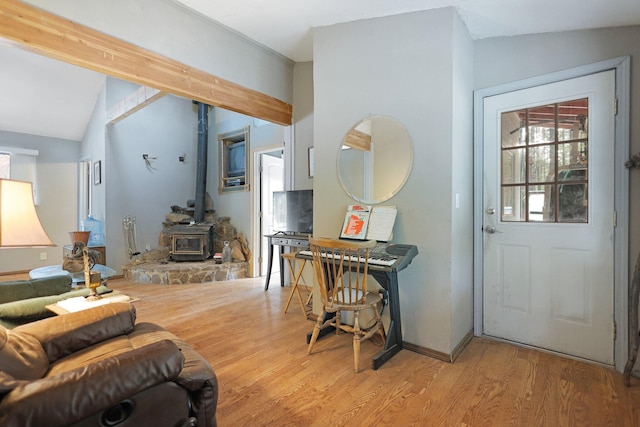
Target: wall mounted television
236	159
293	211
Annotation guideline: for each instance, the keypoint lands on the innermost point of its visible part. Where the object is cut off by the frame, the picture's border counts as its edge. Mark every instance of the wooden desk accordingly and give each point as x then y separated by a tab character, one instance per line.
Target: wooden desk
283	240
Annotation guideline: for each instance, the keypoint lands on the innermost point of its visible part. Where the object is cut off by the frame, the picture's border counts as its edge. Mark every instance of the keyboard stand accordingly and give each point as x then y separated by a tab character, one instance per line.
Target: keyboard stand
389	281
387	277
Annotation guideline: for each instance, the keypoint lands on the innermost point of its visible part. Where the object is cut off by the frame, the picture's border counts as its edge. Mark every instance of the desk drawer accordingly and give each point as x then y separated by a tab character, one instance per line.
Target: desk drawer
290	241
279	241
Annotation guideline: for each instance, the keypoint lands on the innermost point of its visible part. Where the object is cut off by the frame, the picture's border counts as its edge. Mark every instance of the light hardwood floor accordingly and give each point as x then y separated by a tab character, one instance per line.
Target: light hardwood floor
267	378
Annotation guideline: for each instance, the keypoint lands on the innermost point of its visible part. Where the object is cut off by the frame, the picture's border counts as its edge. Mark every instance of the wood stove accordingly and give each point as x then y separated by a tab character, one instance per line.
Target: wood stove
191	242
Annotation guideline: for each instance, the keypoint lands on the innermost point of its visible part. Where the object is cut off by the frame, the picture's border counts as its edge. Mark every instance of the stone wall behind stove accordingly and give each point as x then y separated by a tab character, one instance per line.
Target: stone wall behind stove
180	273
222	227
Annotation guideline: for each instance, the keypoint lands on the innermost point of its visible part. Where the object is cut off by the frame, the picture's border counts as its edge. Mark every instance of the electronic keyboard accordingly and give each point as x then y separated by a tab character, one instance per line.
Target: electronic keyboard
386	255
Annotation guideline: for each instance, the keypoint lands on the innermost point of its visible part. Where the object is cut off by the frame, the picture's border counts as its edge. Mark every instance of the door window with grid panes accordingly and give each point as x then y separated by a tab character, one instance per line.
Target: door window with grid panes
544	163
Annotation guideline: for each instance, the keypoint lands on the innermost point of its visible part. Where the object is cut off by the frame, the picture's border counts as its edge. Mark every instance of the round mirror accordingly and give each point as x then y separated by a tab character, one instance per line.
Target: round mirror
375	159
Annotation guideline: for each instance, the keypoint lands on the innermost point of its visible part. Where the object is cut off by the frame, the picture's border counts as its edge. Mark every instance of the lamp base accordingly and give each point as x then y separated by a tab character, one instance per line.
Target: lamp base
94	283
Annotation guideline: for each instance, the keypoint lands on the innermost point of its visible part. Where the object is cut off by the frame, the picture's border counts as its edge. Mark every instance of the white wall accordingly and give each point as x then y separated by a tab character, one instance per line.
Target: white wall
403	67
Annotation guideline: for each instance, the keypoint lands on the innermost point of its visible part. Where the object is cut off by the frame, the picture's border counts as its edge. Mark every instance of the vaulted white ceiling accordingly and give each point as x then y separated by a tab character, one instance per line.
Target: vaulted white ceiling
44	97
286	26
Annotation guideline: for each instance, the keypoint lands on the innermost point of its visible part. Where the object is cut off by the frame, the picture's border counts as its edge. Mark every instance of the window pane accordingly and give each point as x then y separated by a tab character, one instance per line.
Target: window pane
5	166
536	202
572	203
548	203
513	203
541	163
542	127
573	119
513	129
573	155
514	166
544	163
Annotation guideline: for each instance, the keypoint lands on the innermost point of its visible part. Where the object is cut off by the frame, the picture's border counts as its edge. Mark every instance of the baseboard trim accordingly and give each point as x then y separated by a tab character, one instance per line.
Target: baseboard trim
445	357
461	346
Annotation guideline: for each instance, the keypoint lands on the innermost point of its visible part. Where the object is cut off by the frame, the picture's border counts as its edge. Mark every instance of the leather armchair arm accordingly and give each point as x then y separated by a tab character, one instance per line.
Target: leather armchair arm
66	334
74	395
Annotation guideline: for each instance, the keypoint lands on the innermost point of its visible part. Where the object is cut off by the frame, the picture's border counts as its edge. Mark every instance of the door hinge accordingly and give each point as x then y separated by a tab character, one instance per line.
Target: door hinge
615	106
615	219
615	330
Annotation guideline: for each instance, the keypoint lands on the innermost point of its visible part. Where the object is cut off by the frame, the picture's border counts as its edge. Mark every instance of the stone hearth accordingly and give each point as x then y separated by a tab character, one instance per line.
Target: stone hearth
180	273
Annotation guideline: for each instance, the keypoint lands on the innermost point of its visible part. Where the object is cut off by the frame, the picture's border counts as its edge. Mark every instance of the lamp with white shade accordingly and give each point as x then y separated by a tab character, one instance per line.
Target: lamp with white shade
19	223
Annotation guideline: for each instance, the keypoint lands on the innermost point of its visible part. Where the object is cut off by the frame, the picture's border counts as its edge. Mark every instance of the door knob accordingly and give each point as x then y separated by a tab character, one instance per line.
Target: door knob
491	211
489	229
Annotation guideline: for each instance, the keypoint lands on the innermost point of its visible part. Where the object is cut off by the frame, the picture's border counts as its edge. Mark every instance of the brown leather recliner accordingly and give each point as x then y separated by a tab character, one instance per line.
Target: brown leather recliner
98	368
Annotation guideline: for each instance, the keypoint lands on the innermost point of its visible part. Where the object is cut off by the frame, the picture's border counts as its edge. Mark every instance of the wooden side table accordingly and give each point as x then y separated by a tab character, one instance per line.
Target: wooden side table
295	287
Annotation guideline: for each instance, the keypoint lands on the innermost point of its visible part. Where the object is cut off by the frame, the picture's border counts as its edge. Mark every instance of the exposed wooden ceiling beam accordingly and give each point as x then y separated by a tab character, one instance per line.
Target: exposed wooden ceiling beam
50	35
358	140
132	103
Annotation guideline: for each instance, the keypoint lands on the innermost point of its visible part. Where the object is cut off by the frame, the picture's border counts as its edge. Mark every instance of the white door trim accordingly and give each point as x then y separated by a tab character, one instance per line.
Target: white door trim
256	186
622	67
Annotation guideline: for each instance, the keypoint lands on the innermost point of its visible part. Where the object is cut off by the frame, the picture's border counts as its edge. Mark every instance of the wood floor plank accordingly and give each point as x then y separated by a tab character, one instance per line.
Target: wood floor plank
267	378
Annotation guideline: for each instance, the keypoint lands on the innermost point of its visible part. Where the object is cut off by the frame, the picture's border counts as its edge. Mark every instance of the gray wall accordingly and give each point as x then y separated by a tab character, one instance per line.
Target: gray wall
507	59
405	67
416	68
168	28
164	130
303	119
238	205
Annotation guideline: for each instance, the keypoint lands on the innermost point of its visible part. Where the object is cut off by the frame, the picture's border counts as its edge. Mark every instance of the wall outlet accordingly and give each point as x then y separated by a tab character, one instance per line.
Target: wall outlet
43	256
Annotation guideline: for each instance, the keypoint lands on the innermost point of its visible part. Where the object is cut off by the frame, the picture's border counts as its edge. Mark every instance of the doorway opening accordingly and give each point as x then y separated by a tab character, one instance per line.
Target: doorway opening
269	174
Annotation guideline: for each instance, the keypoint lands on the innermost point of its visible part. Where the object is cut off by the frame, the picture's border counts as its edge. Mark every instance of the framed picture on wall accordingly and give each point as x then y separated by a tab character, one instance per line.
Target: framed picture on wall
97	172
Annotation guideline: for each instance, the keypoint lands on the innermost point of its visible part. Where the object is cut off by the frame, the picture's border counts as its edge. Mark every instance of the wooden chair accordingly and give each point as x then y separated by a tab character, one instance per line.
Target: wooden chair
341	268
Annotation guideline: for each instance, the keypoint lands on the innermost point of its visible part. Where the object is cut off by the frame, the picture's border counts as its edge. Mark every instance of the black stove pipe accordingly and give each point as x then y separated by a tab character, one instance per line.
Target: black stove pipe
201	168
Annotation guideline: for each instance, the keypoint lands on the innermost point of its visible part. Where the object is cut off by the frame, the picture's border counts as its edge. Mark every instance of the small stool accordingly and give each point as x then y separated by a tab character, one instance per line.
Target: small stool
295	287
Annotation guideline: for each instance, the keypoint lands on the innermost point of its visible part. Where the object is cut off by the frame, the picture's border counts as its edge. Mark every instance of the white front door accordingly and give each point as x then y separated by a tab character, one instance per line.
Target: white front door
549	215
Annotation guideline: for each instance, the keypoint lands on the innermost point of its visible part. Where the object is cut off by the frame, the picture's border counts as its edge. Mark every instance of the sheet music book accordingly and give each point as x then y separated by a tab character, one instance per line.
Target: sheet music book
364	222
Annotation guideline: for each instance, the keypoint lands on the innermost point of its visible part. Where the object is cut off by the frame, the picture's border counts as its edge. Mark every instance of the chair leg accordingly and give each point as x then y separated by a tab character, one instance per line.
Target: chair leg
316	331
356	341
380	326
